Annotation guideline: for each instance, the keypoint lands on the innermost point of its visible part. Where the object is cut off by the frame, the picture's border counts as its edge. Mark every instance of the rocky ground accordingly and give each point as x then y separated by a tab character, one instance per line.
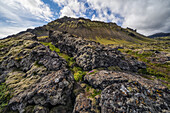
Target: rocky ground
35	78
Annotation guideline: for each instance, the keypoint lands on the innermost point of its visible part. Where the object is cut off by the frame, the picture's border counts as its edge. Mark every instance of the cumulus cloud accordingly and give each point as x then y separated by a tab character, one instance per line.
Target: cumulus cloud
24	8
147	16
71	8
8	30
16	15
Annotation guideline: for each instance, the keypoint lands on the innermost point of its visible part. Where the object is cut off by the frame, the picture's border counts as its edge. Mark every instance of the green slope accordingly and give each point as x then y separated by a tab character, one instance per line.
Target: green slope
105	33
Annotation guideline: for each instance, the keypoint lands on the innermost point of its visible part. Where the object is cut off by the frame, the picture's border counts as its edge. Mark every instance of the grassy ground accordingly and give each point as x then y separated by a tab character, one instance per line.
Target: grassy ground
157	63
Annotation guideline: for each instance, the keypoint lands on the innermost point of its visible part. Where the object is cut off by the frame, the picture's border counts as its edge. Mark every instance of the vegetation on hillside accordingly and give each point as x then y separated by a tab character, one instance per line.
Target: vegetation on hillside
155	55
4	96
93	30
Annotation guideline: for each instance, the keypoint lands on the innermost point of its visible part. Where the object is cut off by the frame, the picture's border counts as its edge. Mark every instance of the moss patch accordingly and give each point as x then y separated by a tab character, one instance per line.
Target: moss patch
19	82
91	92
78	76
5	96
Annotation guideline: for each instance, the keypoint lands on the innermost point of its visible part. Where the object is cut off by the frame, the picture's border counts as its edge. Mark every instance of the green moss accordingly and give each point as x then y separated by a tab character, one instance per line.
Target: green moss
76	69
114	68
51	46
91	91
3	45
42	37
96	92
4	96
69	59
78	76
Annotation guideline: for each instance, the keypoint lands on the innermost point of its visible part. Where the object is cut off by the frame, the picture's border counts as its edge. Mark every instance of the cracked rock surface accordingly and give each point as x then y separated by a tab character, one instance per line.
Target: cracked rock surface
41	81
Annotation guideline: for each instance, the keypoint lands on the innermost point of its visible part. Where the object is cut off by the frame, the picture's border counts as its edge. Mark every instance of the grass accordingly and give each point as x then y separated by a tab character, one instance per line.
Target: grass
157	69
106	41
4	96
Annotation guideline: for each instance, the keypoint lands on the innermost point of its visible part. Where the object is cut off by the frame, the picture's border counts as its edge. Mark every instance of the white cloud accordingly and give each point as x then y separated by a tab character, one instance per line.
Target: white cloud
10	30
147	16
16	15
71	8
25	8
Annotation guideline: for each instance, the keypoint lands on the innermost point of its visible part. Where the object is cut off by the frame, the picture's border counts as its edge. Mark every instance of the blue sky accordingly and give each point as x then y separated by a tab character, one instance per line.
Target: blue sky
147	16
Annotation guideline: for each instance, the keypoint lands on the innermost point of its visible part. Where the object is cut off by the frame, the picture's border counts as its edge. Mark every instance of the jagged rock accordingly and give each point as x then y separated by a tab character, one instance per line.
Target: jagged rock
90	55
102	79
134	98
84	104
37	75
62	109
39	79
51	90
40	109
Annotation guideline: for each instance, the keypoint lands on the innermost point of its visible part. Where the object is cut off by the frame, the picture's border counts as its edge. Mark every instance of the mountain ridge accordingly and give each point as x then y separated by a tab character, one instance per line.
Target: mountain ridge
92	30
161	34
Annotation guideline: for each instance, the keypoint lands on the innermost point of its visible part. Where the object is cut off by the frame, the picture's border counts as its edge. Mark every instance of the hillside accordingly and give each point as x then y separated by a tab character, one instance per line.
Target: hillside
105	33
49	69
159	35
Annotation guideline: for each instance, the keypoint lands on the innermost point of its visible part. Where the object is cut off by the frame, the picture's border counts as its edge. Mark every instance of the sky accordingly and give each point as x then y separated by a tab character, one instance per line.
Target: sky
147	16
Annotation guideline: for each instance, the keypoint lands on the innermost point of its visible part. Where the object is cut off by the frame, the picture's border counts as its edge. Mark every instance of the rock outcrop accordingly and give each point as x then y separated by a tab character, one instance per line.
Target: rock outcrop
122	92
37	76
133	98
40	81
90	54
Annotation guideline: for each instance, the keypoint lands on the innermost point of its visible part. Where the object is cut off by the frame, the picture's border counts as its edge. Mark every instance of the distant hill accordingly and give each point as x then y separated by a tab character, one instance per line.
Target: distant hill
105	33
97	30
159	35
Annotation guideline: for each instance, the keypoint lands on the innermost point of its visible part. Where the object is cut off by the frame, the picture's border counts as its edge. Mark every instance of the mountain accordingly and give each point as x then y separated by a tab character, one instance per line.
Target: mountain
44	70
159	35
105	33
